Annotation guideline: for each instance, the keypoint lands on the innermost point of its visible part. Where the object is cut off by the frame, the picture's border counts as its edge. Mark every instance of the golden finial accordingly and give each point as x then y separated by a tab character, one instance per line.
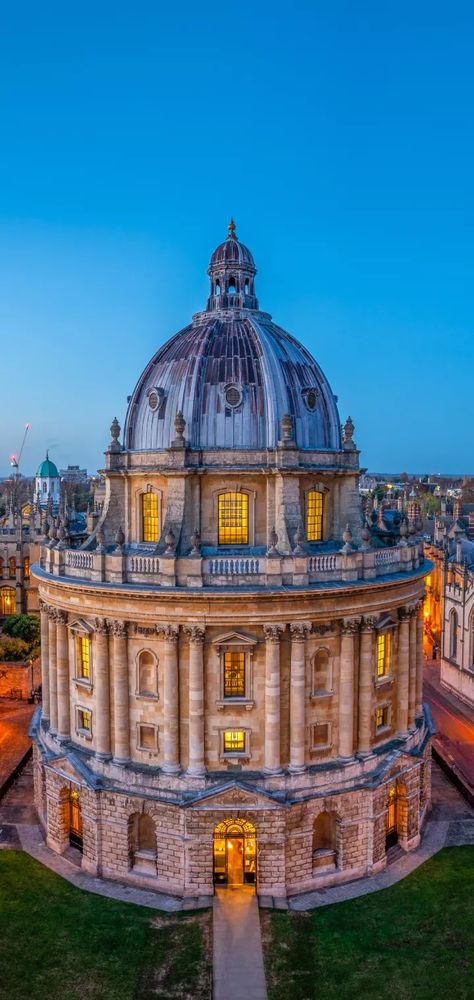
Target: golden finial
231	228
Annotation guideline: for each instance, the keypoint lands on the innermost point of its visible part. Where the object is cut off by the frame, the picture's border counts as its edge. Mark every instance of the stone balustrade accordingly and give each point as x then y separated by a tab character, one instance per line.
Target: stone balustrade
169	570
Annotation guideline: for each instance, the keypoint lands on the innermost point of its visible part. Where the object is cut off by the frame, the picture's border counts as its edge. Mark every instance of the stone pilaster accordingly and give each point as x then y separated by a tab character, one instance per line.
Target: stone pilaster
273	631
44	661
121	692
53	676
298	631
171	763
101	723
403	671
62	666
366	680
419	662
350	629
196	764
412	668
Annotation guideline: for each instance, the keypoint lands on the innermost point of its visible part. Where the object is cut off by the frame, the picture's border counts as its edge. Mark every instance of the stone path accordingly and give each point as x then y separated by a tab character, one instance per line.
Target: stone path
238	959
15	718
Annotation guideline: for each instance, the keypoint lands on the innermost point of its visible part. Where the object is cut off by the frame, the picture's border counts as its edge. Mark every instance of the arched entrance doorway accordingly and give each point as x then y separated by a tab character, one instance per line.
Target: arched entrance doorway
235	853
391	835
75	820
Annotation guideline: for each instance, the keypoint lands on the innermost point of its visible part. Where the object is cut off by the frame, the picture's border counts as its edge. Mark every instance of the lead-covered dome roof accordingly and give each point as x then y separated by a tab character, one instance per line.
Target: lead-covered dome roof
233	374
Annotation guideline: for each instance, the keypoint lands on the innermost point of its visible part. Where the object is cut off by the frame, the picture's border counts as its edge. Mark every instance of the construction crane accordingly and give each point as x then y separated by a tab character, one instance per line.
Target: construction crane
14	460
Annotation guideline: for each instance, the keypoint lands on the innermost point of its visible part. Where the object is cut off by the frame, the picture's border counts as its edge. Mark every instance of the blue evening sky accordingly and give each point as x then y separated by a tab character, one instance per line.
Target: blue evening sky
339	135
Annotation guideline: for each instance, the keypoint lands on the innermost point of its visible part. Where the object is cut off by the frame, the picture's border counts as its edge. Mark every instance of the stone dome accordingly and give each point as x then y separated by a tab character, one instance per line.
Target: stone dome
234	374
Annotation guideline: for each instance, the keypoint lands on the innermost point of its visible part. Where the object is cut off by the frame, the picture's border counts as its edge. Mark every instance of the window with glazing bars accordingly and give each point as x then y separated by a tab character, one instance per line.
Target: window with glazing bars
383	654
233	519
84	719
381	717
83	657
150	526
314	516
234	675
234	740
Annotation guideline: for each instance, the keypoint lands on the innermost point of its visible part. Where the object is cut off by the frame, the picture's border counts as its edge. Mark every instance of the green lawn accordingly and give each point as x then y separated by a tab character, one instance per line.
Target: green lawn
414	941
60	943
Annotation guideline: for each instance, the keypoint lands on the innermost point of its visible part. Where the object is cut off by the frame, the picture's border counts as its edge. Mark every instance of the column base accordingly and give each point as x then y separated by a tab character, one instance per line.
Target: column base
196	772
99	755
270	772
171	768
120	760
346	760
296	768
403	735
364	754
63	737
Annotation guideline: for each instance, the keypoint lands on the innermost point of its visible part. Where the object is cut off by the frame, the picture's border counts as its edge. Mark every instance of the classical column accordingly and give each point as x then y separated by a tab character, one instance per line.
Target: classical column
196	766
298	631
53	677
412	668
101	723
419	662
366	680
350	629
121	692
403	670
171	698
62	666
44	661
272	764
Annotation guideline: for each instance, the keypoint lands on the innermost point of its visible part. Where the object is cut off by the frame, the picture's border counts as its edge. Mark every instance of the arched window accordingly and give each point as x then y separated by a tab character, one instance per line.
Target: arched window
150	517
26	568
453	635
147	680
246	286
232	286
325	840
233	519
217	287
314	516
7	601
12	567
142	843
322	681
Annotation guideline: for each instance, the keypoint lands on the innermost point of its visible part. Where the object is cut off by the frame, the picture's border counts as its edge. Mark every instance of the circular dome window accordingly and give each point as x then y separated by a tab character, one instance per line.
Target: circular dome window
311	399
233	395
153	399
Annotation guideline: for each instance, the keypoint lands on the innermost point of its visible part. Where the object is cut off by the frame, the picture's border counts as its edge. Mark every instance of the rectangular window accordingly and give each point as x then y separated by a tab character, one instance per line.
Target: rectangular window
233	519
83	657
84	719
234	675
150	525
314	516
383	654
321	735
146	738
381	717
234	741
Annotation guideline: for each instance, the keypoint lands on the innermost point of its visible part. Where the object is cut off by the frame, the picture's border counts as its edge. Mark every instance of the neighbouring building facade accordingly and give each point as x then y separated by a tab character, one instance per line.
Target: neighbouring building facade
232	669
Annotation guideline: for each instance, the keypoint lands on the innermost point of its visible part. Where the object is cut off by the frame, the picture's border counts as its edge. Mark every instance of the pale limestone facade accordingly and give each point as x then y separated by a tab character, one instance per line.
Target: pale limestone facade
322	758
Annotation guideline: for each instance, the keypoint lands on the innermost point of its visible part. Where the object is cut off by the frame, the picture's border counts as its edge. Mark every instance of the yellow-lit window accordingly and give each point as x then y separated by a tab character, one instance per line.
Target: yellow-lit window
84	719
233	519
83	657
12	567
314	516
150	520
234	675
383	654
26	568
381	717
234	741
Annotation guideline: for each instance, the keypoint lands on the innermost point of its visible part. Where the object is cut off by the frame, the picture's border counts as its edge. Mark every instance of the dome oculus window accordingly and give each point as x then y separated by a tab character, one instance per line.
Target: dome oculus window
310	397
233	395
156	397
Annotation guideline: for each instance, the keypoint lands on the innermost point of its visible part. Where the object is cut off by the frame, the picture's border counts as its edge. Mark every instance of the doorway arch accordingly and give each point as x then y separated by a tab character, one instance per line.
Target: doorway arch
235	853
391	831
75	819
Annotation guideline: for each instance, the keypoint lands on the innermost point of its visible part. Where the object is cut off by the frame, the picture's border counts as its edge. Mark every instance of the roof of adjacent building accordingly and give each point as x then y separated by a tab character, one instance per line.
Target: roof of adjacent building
47	469
234	374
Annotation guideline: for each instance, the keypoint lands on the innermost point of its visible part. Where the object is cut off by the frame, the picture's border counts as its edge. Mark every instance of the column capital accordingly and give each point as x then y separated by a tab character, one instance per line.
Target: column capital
299	631
170	632
118	628
61	617
273	631
350	626
101	626
195	633
44	608
368	624
404	613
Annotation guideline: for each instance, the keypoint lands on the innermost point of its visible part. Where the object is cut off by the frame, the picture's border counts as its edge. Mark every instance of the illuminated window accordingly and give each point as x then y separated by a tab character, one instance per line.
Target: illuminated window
314	516
381	717
234	675
12	567
234	741
26	568
150	519
83	657
7	601
84	719
383	654
233	519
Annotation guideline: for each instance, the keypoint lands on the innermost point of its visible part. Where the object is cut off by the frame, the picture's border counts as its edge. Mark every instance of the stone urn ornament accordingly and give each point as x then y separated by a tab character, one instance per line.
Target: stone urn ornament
347	539
272	543
170	539
196	543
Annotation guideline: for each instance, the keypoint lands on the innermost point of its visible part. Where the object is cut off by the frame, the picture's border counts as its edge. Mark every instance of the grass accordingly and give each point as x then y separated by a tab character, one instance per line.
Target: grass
414	941
57	941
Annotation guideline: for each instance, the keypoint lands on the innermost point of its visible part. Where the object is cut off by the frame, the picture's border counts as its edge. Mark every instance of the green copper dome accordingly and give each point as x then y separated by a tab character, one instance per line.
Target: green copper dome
47	469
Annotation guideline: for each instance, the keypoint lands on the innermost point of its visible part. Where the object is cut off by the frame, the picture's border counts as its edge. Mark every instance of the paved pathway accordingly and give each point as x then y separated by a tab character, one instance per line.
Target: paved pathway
238	959
453	719
15	718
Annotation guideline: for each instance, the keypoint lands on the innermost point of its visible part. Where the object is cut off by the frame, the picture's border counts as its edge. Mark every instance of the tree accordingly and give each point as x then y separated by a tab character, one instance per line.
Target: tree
25	627
13	650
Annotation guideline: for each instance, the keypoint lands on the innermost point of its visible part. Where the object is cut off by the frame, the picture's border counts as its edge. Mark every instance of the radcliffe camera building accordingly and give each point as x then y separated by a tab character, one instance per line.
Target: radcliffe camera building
232	661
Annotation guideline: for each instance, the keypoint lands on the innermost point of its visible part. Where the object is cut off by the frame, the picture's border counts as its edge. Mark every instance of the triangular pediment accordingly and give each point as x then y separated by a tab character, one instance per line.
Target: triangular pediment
234	639
80	626
233	795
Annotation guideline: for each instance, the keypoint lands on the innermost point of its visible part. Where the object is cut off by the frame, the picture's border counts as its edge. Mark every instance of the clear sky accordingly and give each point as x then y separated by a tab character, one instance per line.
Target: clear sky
340	135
